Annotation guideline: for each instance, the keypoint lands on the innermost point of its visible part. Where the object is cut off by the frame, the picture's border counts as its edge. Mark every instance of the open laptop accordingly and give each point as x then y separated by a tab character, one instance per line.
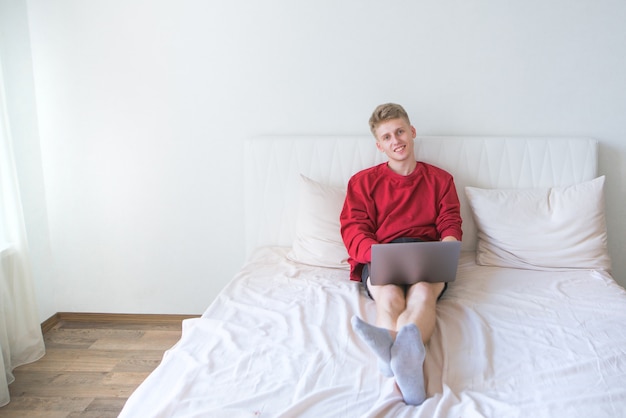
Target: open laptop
411	262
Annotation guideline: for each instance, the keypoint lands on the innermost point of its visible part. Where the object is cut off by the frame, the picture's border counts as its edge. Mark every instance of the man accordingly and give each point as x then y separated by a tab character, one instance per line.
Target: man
402	199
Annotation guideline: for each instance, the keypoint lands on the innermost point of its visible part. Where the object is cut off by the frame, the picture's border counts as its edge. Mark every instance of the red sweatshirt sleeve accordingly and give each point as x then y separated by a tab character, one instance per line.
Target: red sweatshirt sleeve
449	219
357	223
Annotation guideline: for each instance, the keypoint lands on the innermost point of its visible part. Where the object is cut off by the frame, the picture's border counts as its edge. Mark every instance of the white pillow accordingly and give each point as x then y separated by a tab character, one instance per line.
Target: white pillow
318	237
553	228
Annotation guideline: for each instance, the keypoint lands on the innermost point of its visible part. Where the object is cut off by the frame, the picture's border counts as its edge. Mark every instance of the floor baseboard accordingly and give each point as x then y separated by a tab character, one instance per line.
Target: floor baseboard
59	317
49	323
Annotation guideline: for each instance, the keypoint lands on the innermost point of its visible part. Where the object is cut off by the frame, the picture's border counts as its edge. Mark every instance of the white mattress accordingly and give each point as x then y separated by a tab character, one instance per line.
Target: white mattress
277	342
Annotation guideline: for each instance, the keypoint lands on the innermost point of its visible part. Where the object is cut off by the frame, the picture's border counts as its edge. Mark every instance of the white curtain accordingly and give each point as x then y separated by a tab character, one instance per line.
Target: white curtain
21	340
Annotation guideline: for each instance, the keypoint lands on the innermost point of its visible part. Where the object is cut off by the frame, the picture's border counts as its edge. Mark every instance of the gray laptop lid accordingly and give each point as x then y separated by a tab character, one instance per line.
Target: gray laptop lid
412	262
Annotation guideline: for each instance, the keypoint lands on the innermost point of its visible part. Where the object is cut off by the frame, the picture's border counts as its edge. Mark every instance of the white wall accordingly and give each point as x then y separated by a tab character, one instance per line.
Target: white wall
143	106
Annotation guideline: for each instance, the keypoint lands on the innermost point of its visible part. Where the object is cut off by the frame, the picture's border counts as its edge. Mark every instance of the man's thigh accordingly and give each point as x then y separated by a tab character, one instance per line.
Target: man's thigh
389	293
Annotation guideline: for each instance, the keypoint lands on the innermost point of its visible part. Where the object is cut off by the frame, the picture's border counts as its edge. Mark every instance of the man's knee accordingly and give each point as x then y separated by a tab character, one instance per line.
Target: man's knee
390	298
425	293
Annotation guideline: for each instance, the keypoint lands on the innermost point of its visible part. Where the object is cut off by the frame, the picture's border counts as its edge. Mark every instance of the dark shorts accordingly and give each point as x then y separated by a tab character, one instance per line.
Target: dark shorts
365	273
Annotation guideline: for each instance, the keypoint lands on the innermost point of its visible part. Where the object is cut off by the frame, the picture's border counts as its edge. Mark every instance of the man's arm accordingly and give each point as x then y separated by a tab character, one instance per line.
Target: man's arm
449	238
449	219
357	225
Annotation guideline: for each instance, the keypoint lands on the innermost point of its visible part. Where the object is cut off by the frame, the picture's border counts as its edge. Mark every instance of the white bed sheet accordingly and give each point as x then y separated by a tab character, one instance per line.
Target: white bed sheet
277	342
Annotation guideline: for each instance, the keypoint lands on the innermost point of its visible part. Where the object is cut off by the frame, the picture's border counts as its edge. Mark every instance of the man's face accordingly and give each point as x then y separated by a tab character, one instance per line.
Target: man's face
395	138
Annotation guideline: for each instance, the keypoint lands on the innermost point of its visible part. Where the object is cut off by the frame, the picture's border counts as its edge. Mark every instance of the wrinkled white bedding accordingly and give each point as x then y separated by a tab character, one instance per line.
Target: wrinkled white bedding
277	342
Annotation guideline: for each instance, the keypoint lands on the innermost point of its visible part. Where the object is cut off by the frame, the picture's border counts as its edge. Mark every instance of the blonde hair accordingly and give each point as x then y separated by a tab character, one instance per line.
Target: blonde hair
385	112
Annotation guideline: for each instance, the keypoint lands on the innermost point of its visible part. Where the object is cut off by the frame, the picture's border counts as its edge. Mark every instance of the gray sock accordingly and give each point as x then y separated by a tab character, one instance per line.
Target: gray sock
407	364
379	340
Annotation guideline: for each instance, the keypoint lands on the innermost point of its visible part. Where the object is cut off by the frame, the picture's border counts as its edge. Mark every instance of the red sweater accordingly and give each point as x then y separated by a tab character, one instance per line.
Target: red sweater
381	206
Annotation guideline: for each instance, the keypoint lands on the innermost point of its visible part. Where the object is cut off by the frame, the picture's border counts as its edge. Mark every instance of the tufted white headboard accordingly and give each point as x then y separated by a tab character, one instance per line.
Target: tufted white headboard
273	166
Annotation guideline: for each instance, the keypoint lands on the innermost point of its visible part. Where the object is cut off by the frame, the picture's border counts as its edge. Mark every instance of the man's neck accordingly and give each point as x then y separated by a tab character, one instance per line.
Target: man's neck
404	168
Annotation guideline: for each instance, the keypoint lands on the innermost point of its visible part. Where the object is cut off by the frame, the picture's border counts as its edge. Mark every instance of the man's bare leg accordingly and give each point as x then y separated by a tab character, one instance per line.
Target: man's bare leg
401	319
395	308
389	305
421	308
410	320
415	327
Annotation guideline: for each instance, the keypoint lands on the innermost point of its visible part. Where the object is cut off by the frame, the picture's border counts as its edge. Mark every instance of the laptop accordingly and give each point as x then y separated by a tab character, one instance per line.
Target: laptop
406	263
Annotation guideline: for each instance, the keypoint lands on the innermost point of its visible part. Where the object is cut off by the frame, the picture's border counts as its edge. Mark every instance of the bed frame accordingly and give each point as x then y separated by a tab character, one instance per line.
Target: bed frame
273	163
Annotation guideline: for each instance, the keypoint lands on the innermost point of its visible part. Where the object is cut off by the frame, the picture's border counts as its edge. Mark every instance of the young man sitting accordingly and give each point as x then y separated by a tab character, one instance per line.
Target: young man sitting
402	199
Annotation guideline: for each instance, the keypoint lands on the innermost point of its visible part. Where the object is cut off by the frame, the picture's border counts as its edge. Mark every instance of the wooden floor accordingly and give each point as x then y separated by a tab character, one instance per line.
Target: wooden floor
91	367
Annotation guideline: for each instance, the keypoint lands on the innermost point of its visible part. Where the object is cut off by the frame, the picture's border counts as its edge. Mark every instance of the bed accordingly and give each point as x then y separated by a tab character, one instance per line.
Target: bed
534	324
